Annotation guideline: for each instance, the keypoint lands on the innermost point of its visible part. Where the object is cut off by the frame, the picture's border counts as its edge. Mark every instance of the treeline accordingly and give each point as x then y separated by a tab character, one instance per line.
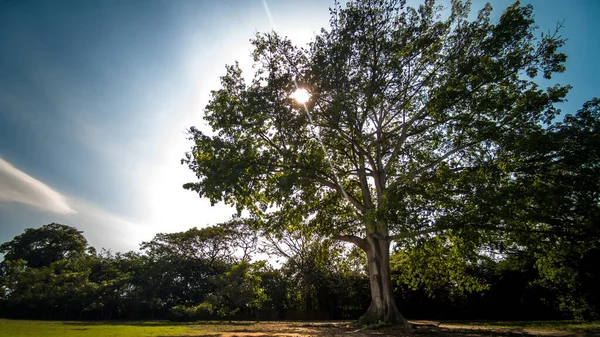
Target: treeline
52	273
214	272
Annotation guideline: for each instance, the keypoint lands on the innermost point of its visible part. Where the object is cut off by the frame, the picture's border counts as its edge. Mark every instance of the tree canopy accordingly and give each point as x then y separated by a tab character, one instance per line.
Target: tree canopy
41	246
405	105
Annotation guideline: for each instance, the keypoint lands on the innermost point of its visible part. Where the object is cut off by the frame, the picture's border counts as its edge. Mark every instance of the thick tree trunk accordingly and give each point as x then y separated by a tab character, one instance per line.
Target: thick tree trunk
383	305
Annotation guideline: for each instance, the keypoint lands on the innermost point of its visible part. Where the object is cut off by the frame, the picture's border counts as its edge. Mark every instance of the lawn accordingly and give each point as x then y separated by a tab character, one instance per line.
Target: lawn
28	328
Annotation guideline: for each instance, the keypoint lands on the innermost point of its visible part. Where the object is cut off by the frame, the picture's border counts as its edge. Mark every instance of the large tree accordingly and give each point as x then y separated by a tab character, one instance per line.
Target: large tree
400	97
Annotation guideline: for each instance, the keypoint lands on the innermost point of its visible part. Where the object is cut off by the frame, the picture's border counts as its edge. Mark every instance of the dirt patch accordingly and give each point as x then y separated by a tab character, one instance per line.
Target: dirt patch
420	329
278	329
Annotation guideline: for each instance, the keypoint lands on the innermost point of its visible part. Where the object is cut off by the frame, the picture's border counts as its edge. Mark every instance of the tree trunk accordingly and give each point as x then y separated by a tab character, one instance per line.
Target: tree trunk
383	307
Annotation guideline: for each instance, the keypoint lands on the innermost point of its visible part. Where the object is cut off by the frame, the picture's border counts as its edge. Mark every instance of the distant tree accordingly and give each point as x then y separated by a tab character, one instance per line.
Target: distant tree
401	98
40	247
237	289
46	272
210	244
61	290
242	237
276	287
313	265
178	268
182	269
305	262
115	290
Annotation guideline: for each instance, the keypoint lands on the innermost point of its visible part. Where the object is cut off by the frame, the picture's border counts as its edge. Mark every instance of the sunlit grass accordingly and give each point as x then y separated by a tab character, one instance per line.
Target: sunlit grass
29	328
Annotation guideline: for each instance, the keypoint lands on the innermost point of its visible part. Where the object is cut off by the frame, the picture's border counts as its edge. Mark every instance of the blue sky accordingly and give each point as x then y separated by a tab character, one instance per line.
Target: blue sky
95	98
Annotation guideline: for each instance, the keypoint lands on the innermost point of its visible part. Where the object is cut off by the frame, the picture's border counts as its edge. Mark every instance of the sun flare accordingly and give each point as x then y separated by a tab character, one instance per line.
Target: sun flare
301	95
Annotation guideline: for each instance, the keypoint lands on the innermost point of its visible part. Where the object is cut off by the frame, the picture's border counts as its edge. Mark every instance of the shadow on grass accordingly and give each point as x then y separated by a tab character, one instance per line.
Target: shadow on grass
275	334
566	325
511	323
211	335
474	330
468	332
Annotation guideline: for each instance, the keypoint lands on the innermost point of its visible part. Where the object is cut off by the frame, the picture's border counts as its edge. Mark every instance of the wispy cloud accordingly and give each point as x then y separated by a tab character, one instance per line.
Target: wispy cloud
18	186
102	228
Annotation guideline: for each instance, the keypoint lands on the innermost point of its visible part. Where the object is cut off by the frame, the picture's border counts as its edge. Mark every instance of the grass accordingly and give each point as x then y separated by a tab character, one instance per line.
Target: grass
27	328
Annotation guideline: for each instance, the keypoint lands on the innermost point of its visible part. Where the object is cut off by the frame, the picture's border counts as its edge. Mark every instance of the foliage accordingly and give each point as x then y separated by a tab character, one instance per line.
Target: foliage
191	313
437	278
237	289
325	274
178	272
41	246
443	264
406	105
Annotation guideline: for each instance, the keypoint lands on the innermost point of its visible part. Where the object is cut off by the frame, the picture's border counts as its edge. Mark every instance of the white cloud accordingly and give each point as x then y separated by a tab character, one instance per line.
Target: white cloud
102	228
18	186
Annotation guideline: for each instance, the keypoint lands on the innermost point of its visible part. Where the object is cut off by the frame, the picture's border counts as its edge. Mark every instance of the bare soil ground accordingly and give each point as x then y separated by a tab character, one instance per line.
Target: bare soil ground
420	329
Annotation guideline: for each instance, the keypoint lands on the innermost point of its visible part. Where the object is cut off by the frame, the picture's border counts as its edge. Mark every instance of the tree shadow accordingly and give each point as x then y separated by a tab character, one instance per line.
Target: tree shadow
211	335
467	332
431	330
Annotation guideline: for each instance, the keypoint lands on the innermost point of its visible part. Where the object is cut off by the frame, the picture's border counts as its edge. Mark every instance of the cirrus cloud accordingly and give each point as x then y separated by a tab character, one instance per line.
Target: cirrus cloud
18	186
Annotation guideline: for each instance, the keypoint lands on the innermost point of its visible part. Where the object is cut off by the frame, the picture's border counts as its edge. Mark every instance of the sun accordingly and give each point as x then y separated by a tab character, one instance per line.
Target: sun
301	95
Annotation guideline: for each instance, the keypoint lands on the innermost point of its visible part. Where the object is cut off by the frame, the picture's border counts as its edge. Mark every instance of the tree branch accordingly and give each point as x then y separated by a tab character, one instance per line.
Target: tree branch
435	163
361	243
401	141
345	194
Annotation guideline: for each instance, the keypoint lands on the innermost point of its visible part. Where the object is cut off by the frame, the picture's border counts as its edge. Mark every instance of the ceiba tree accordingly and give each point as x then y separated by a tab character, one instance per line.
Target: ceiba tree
400	97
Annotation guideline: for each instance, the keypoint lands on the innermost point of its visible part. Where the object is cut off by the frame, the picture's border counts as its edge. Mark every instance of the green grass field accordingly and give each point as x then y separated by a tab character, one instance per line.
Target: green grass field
29	328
